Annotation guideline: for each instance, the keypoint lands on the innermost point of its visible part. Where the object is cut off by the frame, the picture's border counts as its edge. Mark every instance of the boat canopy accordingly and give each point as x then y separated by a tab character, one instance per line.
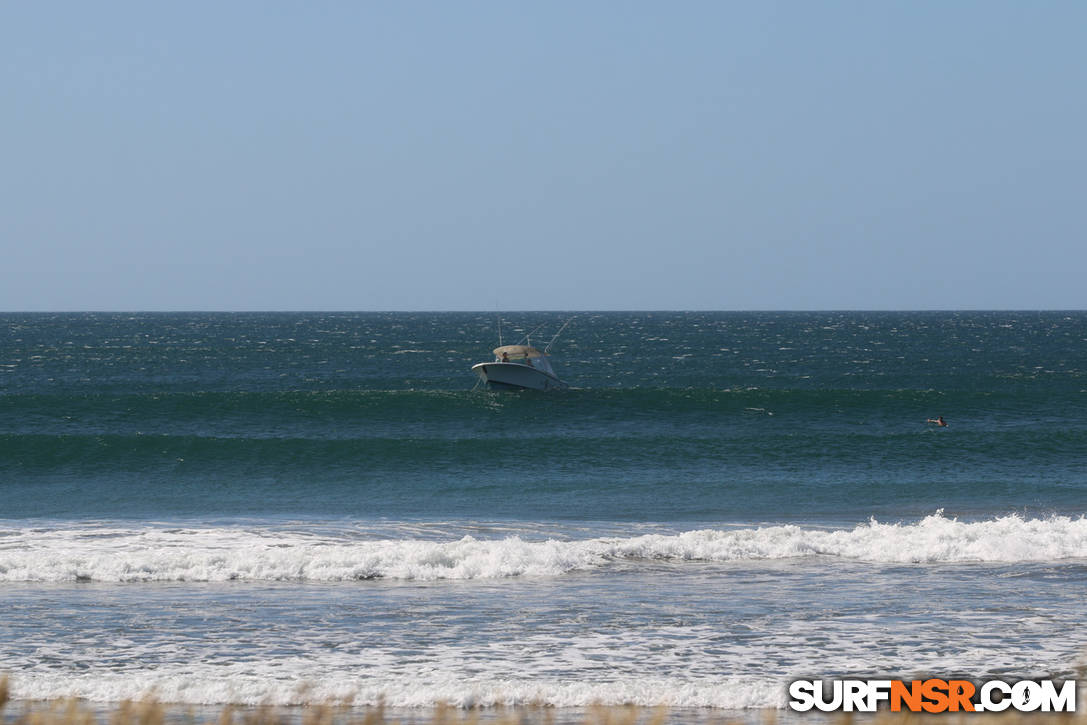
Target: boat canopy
524	355
517	352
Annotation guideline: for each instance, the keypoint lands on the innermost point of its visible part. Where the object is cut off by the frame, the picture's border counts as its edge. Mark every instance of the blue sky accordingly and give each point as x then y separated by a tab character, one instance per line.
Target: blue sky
519	156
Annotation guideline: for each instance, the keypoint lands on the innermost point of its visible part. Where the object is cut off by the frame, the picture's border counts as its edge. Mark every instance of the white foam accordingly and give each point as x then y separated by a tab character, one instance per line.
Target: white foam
202	687
148	553
672	666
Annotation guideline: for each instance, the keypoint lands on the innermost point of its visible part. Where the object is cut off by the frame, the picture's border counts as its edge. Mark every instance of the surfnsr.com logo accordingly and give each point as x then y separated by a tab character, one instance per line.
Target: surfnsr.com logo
932	695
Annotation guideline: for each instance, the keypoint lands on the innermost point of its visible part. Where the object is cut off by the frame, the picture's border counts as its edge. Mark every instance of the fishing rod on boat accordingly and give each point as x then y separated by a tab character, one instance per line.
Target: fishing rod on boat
556	337
527	339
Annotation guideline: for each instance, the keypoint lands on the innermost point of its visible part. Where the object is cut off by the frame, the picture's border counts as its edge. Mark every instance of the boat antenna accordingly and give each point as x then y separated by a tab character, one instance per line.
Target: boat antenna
500	330
527	339
556	337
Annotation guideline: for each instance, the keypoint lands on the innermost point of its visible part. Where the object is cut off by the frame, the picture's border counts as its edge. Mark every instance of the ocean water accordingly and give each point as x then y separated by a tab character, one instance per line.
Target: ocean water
287	508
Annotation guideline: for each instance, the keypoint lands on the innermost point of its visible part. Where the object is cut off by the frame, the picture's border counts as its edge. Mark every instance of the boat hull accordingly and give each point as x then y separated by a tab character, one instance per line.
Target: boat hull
515	376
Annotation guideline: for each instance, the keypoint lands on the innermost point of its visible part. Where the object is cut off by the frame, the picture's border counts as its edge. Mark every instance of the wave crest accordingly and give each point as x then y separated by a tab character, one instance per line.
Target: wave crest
231	554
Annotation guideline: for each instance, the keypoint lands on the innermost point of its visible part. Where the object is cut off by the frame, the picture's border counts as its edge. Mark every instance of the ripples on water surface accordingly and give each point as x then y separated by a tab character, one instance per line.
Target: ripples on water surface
240	508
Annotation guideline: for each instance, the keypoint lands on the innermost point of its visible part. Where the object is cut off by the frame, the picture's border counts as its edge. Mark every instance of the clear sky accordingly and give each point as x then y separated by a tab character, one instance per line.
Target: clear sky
415	155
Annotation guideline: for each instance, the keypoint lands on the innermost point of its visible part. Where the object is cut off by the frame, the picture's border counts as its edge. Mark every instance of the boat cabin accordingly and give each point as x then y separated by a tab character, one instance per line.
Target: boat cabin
523	355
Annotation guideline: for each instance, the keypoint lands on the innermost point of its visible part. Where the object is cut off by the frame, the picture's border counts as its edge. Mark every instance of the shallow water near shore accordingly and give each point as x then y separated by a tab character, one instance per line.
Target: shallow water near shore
294	509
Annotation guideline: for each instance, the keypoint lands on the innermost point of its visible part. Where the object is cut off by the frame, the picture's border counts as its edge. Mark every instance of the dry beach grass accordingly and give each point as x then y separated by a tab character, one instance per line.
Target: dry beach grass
76	712
150	712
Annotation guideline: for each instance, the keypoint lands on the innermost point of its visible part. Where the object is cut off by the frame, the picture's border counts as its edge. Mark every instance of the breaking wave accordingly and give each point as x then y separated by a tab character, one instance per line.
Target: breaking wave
215	554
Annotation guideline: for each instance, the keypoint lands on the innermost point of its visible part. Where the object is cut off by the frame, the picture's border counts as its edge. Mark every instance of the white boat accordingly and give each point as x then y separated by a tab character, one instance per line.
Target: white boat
519	367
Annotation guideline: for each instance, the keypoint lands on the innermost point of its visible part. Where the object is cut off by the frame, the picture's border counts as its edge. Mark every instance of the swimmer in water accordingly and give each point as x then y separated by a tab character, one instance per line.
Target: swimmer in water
938	420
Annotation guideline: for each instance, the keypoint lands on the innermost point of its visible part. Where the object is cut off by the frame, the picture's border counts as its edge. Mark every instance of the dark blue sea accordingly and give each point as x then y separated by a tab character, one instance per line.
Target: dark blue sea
287	508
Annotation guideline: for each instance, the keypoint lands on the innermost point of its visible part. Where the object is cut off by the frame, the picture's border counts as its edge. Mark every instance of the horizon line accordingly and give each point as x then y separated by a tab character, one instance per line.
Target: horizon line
539	311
